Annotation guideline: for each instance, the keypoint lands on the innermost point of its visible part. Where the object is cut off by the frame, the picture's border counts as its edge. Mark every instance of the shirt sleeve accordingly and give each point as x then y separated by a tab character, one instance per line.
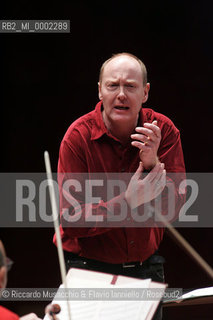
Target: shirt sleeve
81	218
7	314
171	154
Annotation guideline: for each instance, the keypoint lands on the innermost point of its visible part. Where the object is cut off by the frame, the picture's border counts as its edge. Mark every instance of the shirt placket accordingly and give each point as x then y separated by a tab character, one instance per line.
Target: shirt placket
122	158
125	158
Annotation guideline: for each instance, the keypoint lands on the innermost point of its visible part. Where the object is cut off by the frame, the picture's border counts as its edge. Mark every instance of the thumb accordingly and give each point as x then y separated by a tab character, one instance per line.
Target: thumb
155	122
138	172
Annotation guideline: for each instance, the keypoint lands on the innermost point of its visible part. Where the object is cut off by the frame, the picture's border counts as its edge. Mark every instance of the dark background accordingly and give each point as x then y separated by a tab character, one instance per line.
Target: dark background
49	80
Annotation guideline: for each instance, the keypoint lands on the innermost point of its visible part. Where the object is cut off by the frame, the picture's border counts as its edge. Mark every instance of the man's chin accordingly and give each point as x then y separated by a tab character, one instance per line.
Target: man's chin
122	118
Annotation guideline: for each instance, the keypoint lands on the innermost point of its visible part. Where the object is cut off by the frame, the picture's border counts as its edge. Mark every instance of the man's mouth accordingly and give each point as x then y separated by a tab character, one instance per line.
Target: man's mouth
121	107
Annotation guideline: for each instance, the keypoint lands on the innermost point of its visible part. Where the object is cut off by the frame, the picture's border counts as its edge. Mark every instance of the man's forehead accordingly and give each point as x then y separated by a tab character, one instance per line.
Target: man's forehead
123	65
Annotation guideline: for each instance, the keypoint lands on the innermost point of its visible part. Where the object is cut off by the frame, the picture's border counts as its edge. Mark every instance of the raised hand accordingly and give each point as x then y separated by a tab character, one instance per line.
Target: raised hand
147	140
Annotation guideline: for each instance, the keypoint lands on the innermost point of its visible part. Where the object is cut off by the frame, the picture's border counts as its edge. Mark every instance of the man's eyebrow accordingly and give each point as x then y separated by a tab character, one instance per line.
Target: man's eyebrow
131	81
111	80
116	80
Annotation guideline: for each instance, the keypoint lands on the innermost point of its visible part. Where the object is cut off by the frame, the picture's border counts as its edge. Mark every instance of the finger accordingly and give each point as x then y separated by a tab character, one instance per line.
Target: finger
154	174
160	177
146	132
141	140
140	137
157	185
160	185
140	145
154	128
137	174
143	130
163	179
158	167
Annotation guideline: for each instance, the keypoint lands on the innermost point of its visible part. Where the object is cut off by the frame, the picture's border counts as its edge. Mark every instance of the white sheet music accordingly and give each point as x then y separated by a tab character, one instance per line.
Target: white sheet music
104	310
198	293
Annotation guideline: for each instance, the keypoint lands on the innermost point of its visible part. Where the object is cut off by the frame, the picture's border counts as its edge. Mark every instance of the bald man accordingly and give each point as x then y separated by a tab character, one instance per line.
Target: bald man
6	314
118	136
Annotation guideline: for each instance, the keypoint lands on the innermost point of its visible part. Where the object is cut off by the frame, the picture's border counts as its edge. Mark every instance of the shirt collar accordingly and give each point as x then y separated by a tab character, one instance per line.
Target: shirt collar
99	128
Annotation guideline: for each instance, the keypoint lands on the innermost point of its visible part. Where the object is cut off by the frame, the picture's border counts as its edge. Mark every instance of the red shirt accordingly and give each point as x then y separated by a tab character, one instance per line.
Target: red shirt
6	314
89	147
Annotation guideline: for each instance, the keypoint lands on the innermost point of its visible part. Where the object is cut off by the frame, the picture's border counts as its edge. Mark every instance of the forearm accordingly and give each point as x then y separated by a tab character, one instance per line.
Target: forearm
87	220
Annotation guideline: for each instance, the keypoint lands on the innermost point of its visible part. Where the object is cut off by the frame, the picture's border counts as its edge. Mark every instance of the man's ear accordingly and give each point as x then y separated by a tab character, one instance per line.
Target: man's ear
99	91
3	277
146	89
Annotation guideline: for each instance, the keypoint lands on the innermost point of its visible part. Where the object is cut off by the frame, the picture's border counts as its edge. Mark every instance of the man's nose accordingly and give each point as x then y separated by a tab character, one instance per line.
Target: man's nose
121	94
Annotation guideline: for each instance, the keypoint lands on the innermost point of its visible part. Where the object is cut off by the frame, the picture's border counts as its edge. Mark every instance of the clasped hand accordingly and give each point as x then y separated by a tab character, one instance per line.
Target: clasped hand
140	191
147	140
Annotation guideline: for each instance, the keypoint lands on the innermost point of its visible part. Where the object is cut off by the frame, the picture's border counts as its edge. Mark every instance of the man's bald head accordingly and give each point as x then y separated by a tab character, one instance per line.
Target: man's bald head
114	56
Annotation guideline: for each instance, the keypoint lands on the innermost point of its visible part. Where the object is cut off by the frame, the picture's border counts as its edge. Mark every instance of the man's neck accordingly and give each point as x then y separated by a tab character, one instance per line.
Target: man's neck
122	131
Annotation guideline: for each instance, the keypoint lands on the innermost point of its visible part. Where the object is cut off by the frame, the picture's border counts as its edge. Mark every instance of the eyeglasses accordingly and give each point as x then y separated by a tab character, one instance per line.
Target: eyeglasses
9	263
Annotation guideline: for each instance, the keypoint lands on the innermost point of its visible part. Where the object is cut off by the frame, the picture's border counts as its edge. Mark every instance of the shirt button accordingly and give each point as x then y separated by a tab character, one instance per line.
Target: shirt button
132	242
122	170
